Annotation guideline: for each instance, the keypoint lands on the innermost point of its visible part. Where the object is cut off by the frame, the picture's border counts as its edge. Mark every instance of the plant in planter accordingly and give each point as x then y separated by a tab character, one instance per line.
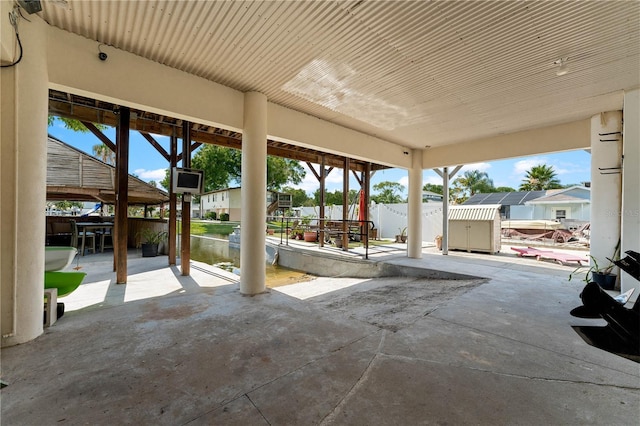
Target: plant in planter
595	273
402	237
151	239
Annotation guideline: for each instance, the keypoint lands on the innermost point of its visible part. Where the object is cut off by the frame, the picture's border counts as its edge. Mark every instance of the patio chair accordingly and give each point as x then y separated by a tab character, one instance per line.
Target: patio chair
106	234
79	239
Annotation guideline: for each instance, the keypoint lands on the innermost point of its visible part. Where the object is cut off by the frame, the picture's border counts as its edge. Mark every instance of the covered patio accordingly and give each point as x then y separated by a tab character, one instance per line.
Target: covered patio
494	346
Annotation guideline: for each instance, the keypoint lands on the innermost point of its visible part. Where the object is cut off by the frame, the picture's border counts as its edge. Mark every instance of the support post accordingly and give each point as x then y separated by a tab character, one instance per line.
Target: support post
322	199
254	194
345	204
606	185
185	252
23	162
414	243
445	211
173	203
122	196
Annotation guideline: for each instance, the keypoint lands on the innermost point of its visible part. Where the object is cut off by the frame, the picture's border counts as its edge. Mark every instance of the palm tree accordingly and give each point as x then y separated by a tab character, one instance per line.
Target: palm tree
473	182
539	178
104	153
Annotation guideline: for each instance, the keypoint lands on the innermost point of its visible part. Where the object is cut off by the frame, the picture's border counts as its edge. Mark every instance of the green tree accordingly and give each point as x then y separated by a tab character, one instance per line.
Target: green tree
298	196
436	189
539	178
104	153
504	189
470	183
73	124
165	182
221	166
281	171
388	192
334	197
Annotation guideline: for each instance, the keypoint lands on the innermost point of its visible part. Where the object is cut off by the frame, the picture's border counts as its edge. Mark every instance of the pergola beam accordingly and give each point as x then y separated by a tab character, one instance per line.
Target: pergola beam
102	113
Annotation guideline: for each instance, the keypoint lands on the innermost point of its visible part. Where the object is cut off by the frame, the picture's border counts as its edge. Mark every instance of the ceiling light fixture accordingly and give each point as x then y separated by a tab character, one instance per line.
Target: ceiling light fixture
562	66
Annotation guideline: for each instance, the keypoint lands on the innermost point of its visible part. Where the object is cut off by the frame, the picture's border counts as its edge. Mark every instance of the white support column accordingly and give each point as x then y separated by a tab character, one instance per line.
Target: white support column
254	194
630	183
414	218
23	170
606	185
445	211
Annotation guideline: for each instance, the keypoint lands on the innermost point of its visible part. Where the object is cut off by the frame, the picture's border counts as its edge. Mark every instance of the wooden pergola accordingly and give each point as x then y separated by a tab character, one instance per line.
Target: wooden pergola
90	111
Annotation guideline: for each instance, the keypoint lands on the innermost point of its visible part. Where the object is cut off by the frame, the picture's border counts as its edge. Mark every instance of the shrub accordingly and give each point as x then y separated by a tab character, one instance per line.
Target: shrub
224	217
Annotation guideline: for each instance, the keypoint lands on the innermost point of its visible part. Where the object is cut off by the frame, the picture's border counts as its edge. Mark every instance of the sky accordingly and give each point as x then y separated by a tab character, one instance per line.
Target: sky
571	167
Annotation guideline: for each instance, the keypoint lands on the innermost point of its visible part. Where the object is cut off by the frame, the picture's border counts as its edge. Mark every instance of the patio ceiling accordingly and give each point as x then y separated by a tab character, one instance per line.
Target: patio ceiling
414	73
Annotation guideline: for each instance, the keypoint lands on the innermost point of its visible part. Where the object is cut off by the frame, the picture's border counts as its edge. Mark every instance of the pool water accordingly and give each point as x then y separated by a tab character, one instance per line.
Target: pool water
213	249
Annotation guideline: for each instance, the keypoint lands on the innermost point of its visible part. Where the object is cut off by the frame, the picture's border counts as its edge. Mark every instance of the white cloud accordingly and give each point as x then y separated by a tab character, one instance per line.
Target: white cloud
434	180
523	166
483	167
310	183
147	175
404	181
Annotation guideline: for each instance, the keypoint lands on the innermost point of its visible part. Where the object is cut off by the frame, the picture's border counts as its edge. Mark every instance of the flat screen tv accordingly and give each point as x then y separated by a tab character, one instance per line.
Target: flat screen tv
187	181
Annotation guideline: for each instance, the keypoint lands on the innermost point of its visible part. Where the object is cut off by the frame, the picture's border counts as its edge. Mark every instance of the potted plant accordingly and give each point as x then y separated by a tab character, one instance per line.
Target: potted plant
402	237
310	236
594	273
151	239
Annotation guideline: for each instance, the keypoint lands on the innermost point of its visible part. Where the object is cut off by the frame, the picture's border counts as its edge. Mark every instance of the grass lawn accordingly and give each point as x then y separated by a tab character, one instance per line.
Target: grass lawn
206	227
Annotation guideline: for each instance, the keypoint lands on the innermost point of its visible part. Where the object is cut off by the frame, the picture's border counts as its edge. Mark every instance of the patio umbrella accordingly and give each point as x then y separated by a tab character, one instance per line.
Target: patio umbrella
361	208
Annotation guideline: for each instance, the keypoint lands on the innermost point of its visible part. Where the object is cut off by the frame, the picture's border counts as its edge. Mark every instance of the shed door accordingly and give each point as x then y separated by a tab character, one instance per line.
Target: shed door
458	234
480	237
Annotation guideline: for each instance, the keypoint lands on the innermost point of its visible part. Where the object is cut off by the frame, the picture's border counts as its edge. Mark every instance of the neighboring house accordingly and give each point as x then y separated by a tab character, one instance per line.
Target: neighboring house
508	200
428	196
564	205
571	206
226	200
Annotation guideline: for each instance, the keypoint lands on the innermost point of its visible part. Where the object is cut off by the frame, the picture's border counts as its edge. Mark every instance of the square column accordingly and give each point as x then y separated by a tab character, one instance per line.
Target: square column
23	169
630	217
606	185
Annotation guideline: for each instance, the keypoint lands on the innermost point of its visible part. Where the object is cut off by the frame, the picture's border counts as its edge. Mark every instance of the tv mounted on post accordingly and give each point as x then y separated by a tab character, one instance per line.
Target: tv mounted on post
187	181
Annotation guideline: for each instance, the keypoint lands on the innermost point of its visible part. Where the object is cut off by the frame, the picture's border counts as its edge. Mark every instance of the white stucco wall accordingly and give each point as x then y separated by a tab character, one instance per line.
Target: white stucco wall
630	218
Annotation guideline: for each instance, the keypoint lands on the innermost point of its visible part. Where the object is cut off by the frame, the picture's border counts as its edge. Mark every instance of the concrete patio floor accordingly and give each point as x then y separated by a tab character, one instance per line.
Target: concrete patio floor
168	349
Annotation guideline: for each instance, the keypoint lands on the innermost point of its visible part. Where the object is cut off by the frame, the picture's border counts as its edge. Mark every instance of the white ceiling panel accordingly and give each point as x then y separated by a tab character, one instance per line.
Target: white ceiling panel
414	72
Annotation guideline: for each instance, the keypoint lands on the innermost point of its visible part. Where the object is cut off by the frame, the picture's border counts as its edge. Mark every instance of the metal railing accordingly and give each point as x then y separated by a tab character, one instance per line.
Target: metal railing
326	230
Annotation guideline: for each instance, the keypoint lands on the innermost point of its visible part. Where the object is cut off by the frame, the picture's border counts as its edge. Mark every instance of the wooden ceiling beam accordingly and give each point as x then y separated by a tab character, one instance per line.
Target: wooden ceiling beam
148	123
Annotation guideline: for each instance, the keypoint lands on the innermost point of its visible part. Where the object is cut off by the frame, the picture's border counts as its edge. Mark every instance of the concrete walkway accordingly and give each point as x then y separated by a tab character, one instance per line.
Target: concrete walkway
167	349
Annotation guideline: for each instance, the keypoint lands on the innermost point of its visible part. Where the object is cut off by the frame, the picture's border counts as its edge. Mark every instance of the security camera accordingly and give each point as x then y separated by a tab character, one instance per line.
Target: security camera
103	56
405	152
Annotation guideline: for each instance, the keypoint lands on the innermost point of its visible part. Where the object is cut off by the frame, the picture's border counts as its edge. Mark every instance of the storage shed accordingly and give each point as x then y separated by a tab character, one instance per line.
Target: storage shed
475	228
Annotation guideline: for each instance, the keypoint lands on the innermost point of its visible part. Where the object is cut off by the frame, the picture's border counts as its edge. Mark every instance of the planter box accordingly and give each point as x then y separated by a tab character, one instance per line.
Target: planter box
149	250
605	281
311	236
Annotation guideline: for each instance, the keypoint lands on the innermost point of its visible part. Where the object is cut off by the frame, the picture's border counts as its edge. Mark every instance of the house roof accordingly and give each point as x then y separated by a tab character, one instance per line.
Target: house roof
76	176
474	213
221	190
563	196
504	198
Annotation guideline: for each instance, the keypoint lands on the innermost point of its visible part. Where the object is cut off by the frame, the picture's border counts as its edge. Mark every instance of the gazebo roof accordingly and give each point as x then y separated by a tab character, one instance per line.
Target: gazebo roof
76	176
